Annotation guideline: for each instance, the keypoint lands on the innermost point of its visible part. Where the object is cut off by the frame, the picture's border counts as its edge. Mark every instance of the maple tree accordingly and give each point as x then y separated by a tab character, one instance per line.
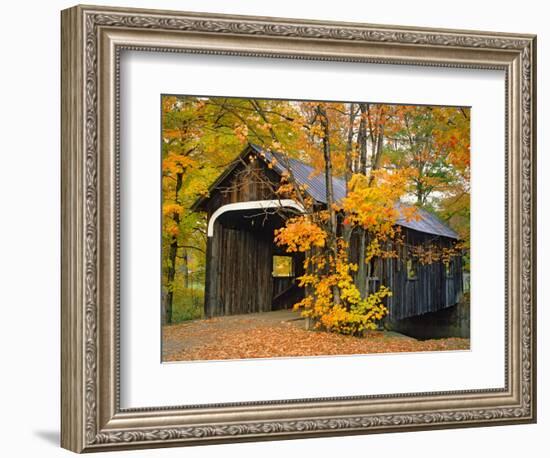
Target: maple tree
349	138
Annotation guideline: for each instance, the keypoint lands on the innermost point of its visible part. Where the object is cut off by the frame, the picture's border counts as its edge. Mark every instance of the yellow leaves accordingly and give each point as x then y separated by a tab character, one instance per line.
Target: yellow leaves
169	212
241	132
276	146
431	253
177	163
300	234
172	209
362	315
306	303
168	103
336	303
171	133
306	280
372	207
351	314
373	249
170	228
410	213
285	189
317	130
453	136
323	216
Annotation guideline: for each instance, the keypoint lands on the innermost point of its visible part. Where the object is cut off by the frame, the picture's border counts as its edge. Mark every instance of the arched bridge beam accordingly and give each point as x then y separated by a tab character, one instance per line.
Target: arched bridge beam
251	205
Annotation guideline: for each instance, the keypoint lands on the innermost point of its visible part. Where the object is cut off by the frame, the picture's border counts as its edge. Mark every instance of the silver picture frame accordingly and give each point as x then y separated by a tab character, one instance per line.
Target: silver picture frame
93	39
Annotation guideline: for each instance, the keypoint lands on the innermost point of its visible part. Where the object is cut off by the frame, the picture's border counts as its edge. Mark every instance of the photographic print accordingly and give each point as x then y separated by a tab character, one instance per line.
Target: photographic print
272	200
313	228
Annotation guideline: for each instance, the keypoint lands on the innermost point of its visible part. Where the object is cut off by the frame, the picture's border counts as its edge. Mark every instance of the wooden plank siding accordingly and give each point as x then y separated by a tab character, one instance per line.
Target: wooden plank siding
432	289
239	276
250	180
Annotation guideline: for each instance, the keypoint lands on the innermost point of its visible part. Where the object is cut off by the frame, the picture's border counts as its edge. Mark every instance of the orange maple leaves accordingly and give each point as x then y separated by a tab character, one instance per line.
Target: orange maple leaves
300	234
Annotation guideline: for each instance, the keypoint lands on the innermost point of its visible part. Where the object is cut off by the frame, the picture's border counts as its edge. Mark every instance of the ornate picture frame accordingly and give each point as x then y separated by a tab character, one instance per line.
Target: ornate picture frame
92	41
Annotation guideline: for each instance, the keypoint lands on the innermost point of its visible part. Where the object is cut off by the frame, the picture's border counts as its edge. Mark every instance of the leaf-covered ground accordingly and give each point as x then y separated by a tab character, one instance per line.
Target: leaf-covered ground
279	334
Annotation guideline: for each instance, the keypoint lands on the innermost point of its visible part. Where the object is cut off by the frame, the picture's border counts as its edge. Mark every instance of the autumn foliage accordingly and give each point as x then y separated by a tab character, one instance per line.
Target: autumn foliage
393	158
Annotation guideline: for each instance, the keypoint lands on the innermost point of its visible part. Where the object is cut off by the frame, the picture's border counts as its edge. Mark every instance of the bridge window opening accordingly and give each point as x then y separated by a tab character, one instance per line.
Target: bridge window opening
283	266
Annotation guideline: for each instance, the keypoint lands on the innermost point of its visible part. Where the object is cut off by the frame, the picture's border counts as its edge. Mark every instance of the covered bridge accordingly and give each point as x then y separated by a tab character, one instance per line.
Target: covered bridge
246	272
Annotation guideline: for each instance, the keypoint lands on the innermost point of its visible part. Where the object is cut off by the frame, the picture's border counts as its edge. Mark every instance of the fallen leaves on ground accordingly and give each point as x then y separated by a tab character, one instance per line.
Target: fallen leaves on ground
242	338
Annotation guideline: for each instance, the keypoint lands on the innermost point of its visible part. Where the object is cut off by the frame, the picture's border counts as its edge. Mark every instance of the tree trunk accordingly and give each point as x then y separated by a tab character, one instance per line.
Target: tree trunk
185	269
347	229
171	276
362	139
332	222
172	258
349	146
377	153
361	276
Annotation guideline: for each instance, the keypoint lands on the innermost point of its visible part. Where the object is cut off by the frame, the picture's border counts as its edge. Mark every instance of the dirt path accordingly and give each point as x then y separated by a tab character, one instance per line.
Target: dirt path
280	334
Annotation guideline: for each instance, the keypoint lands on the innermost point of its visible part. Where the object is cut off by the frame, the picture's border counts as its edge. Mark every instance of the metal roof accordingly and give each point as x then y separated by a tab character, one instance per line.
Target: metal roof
305	175
315	186
427	223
